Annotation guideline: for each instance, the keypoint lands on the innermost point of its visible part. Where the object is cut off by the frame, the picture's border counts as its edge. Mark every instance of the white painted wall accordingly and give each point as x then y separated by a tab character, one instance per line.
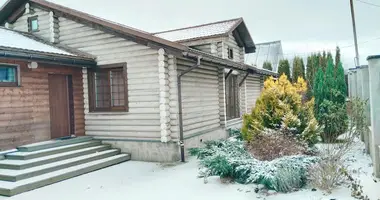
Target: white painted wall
43	22
143	119
200	99
254	86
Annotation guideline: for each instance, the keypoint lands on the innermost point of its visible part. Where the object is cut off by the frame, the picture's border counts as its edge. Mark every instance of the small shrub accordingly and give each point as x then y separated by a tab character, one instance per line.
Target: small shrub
311	134
327	174
274	144
229	159
358	117
334	118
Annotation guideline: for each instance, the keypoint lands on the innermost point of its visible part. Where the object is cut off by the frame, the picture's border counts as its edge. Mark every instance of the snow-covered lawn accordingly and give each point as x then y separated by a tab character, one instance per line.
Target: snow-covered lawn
141	180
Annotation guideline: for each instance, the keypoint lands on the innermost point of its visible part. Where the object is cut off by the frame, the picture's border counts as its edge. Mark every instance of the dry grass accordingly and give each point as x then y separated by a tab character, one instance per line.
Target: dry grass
275	145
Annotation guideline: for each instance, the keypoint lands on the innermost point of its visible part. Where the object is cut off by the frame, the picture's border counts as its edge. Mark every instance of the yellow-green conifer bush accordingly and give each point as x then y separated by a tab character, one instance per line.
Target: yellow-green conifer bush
281	106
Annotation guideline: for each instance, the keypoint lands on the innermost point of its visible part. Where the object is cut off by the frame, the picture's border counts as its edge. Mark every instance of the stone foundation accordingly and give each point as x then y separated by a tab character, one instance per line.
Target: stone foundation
156	151
147	151
197	141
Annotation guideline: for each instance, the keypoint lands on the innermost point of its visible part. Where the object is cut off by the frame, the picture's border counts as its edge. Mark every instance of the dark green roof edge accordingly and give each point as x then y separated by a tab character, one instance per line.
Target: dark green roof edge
373	57
8	8
13	53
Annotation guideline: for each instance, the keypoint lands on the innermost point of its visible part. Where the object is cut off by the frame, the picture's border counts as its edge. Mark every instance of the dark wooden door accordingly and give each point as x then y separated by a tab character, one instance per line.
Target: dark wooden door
59	105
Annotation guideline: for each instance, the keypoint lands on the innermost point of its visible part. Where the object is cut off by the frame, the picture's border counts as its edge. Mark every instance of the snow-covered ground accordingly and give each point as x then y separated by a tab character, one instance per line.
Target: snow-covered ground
141	180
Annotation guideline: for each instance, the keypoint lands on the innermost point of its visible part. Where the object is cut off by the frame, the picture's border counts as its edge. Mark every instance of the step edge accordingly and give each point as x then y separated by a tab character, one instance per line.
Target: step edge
63	157
75	159
37	154
71	174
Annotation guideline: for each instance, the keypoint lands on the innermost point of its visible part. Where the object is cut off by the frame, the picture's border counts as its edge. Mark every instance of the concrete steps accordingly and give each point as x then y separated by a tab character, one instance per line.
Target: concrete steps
13	188
53	143
45	152
24	164
34	166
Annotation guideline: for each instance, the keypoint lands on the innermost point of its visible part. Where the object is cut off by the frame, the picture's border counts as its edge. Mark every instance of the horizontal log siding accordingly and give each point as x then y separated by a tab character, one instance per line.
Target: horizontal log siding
200	98
143	118
21	24
253	85
204	47
231	43
24	111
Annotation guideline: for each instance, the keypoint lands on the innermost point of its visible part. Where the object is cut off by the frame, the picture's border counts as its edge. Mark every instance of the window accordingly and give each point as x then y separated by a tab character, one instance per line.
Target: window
33	24
230	53
108	89
8	75
232	97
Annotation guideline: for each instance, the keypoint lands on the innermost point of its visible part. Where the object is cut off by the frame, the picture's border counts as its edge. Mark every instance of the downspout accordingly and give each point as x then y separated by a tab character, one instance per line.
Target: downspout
179	91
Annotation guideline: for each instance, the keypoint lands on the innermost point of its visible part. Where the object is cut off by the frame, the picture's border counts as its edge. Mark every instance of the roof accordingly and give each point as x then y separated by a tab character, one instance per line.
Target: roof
16	44
239	30
134	34
200	31
211	30
13	39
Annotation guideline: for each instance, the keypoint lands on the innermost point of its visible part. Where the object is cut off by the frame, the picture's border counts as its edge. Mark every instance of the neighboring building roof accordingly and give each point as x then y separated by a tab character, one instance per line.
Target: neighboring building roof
211	30
14	44
268	51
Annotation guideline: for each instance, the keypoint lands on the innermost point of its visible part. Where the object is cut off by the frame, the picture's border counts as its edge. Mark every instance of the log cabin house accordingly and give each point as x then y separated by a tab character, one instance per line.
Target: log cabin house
153	95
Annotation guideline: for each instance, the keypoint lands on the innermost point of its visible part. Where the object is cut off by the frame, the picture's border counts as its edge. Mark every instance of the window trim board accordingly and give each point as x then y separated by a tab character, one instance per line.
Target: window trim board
30	19
91	88
17	82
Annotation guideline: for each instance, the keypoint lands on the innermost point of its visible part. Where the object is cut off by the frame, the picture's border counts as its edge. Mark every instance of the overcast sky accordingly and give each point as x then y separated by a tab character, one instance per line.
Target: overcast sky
302	25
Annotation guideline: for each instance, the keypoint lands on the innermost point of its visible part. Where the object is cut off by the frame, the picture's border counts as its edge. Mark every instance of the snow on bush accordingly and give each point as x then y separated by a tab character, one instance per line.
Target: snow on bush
229	158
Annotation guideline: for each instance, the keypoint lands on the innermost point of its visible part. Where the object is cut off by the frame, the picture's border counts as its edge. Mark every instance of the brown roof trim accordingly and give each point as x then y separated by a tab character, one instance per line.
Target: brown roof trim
134	33
179	29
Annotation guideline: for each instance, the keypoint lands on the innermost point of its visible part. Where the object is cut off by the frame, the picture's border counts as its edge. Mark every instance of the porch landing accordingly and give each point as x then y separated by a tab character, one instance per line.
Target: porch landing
36	165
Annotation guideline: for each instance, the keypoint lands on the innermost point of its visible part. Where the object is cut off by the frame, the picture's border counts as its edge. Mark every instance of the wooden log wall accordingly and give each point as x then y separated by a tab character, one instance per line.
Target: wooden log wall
24	110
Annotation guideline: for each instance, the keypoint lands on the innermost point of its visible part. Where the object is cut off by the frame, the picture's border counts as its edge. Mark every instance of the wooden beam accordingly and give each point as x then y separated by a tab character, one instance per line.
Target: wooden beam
245	77
16	14
228	74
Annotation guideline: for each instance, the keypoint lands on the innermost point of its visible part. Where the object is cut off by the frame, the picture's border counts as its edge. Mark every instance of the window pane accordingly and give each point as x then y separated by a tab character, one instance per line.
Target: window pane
7	74
232	98
102	91
117	88
34	24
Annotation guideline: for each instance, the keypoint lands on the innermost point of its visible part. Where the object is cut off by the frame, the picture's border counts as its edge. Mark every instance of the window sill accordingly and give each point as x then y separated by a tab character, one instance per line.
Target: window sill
109	113
13	86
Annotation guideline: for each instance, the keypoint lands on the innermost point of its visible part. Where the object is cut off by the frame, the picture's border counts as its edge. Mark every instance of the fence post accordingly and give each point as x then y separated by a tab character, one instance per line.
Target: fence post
365	91
374	96
359	87
353	83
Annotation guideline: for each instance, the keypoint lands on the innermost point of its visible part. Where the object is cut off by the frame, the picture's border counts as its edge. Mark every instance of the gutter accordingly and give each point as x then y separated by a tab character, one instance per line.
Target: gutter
180	117
47	58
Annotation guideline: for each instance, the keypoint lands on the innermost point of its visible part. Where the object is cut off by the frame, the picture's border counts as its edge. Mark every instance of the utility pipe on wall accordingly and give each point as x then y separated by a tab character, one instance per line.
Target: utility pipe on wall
179	90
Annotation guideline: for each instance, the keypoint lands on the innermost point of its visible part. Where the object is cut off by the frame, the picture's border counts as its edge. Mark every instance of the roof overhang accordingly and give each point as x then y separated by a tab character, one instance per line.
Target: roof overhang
8	9
228	63
239	30
243	37
60	59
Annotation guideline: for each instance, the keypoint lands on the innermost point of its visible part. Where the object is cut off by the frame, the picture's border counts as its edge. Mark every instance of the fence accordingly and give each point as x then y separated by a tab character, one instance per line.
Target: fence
364	83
